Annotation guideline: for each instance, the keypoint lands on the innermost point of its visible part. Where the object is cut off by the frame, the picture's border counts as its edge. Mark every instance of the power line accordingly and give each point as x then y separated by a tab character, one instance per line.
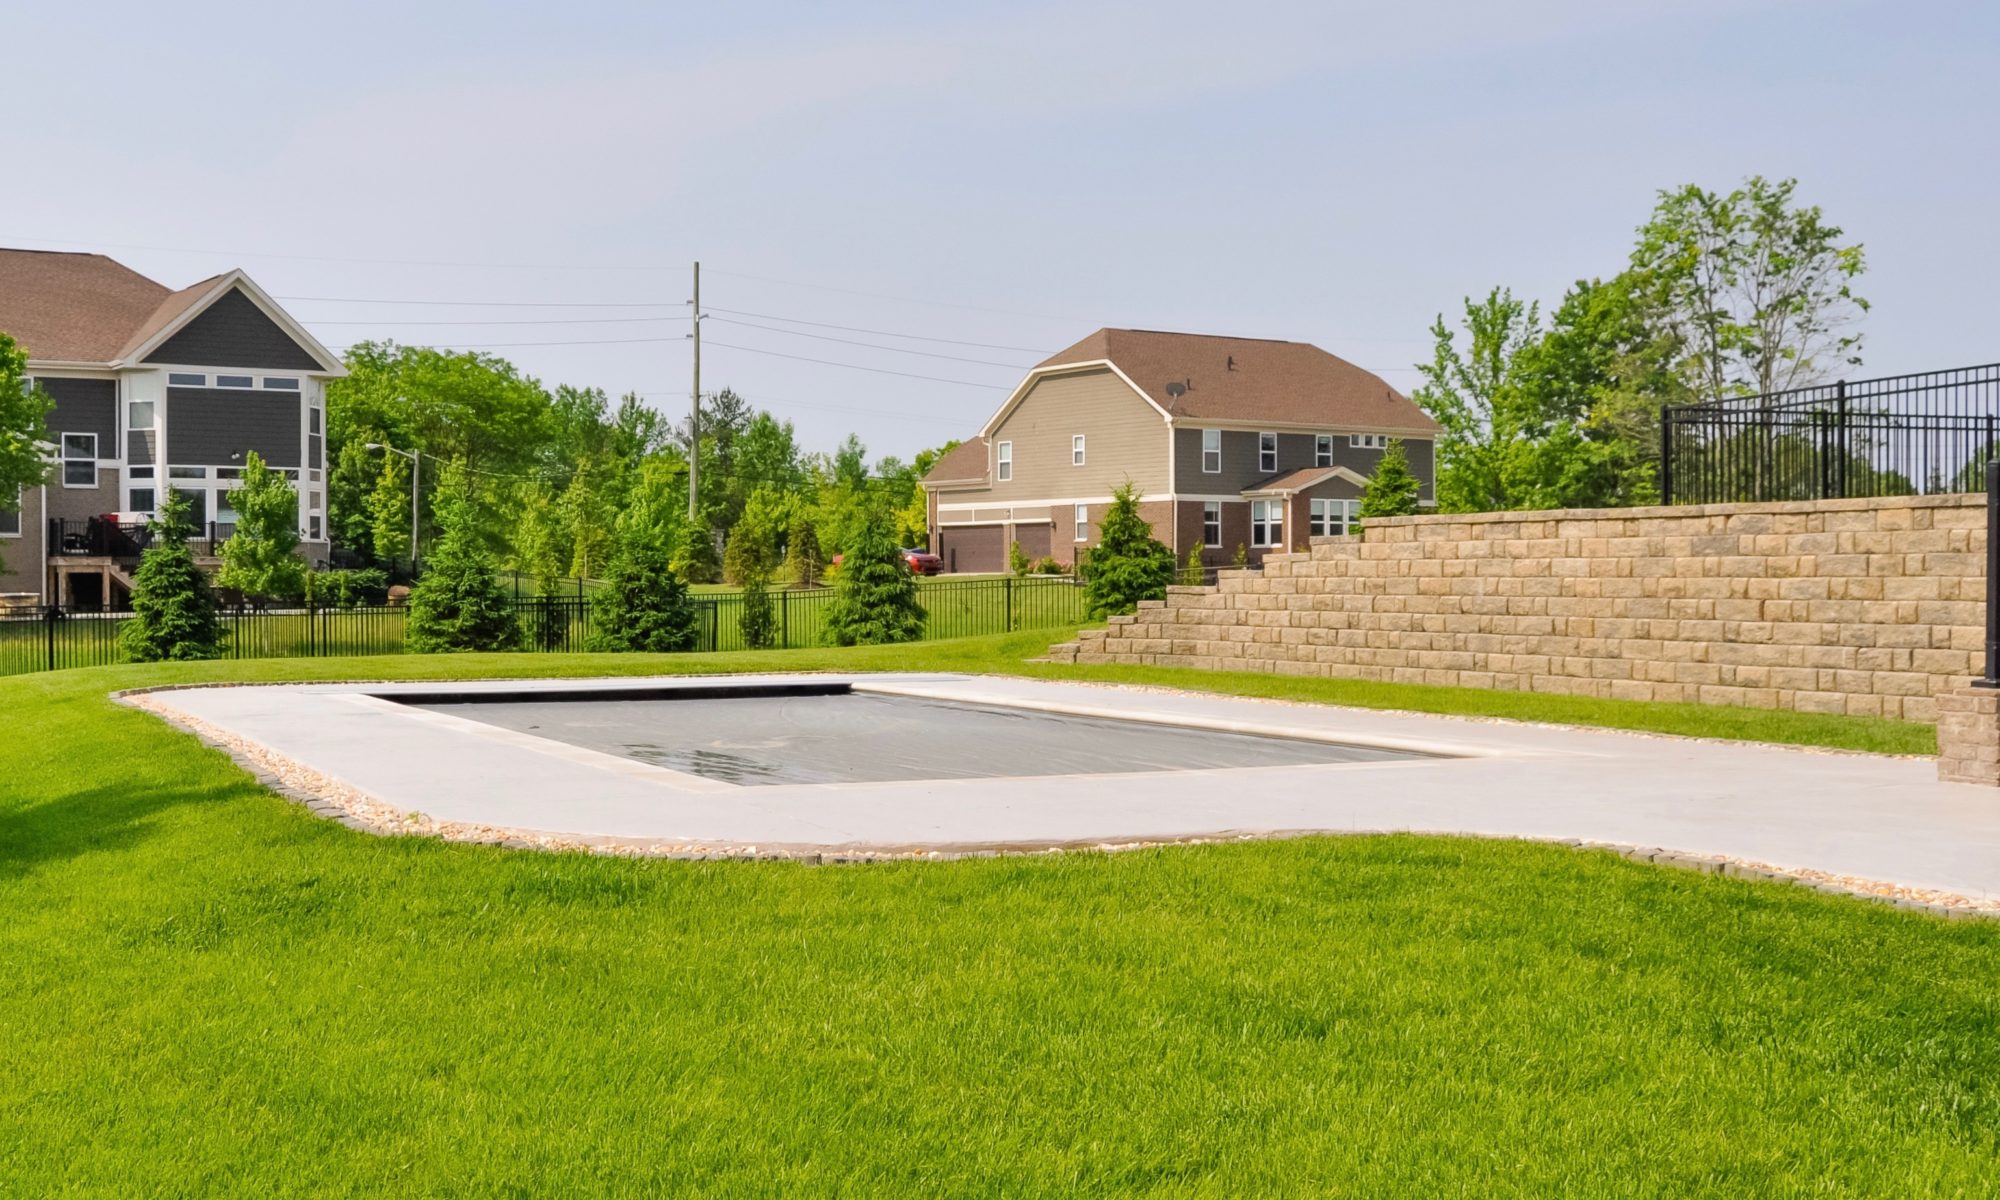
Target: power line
377	262
898	299
915	337
822	337
682	304
827	362
511	345
545	321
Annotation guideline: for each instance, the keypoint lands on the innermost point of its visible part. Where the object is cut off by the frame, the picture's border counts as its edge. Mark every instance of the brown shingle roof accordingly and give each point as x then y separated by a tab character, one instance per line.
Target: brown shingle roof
173	306
73	307
965	463
1251	380
1288	482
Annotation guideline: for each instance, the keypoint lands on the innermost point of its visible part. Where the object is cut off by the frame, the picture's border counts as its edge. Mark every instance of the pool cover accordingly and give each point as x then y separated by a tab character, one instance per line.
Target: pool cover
865	738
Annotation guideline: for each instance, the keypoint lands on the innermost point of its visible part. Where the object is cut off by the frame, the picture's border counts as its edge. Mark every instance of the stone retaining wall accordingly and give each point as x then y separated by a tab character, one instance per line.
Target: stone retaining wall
1845	606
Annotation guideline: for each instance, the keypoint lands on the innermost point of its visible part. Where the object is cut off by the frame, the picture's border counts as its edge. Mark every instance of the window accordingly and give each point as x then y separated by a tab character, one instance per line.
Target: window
1006	467
1368	441
313	475
1323	450
1332	518
79	457
1076	451
1267	452
283	385
187	472
139	499
1083	522
1267	522
312	499
1211	452
139	415
235	381
312	527
1211	523
312	420
177	379
141	472
229	472
10	519
197	505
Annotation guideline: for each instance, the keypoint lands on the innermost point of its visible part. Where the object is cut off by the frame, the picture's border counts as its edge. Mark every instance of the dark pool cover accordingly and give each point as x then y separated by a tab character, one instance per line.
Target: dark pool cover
863	738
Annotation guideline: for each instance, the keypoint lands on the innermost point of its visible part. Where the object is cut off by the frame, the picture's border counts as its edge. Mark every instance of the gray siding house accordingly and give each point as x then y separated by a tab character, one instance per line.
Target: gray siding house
1230	441
153	389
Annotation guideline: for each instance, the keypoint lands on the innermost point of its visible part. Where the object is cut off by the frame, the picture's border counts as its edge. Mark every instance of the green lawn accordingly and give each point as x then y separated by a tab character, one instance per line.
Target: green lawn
209	992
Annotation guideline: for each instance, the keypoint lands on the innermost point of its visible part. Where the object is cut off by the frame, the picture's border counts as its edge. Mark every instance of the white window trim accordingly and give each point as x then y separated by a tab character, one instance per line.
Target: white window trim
1003	462
1207	507
1368	441
235	387
1076	450
1272	508
1262	434
1217	452
176	379
1327	513
1083	522
1322	450
152	407
62	446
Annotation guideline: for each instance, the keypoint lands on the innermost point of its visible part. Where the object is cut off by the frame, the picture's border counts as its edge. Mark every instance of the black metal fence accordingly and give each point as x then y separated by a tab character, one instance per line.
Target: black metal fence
1903	435
47	639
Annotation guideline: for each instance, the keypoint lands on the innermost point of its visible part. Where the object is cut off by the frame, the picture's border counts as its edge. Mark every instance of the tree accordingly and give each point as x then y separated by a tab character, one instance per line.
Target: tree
458	604
1128	565
1392	490
1475	397
174	616
1757	294
24	433
1017	560
389	510
261	556
586	515
643	605
802	552
538	550
876	598
759	624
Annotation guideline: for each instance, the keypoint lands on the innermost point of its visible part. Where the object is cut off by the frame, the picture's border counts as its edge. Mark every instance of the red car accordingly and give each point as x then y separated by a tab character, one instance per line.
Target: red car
923	562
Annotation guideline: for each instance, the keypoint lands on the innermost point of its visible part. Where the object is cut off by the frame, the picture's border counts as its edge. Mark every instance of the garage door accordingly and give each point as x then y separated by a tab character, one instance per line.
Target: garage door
966	548
1034	540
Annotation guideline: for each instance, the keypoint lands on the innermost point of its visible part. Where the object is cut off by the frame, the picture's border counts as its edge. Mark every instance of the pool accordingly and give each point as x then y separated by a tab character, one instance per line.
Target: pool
832	734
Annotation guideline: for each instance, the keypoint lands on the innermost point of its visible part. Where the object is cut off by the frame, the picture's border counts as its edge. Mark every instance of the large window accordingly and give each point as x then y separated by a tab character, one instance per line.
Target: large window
79	459
1211	452
1211	523
1005	469
140	500
1076	451
1332	518
10	518
1267	452
1323	450
1083	522
1267	522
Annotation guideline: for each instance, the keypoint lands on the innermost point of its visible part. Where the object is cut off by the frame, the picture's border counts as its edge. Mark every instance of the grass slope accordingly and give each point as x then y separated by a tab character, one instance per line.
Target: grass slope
208	992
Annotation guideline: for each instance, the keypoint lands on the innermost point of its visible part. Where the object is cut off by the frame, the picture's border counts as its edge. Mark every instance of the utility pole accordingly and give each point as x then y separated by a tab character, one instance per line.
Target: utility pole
694	411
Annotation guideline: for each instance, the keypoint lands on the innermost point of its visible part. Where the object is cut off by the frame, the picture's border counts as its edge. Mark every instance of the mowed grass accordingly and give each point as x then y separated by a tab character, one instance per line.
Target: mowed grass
209	992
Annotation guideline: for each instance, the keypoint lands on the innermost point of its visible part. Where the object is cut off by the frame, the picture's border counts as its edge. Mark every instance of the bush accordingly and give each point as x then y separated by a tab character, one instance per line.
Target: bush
759	623
174	616
876	598
643	605
348	589
459	605
1128	565
1048	566
1017	560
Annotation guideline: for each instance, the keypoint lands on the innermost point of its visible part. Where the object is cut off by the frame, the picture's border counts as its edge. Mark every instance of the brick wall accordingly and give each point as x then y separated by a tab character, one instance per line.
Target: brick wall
1846	606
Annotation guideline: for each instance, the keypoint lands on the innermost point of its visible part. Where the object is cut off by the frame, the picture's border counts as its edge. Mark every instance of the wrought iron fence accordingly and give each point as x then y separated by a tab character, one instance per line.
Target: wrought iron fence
1902	435
53	638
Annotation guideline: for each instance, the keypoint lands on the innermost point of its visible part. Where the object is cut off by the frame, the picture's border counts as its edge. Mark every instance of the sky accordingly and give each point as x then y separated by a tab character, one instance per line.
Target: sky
945	194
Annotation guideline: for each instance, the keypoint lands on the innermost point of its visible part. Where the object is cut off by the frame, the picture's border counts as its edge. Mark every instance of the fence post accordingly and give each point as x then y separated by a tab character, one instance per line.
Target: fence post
1666	454
1825	455
714	624
1842	441
1008	582
784	618
1992	679
50	618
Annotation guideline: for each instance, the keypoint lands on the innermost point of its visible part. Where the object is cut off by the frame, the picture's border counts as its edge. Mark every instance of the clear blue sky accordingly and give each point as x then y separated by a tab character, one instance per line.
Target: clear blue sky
1016	175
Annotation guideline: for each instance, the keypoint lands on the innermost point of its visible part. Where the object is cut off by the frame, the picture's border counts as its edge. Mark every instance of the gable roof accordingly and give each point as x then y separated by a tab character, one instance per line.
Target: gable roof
1248	379
73	307
86	308
1287	483
964	463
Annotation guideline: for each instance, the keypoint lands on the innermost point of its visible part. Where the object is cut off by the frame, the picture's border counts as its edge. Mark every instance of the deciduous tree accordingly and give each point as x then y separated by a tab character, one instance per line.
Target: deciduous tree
24	430
261	556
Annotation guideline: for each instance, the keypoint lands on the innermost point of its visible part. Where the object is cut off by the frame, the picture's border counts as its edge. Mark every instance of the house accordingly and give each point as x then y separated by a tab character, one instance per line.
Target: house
153	388
1230	441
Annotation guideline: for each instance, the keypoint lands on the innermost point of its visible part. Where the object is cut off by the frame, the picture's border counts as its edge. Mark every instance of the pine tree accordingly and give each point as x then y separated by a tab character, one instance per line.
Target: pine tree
389	510
458	604
759	622
1195	570
174	617
1128	565
802	552
643	605
1392	490
261	556
876	601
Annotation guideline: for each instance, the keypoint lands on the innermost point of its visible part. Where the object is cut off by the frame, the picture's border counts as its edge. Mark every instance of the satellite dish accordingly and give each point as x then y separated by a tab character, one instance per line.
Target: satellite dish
1176	390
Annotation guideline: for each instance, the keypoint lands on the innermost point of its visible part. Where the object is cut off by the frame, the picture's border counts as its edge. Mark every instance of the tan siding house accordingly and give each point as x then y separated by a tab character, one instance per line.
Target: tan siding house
1141	406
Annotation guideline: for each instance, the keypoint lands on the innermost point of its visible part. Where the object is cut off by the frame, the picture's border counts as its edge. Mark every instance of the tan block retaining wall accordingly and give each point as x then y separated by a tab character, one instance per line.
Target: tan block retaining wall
1867	607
